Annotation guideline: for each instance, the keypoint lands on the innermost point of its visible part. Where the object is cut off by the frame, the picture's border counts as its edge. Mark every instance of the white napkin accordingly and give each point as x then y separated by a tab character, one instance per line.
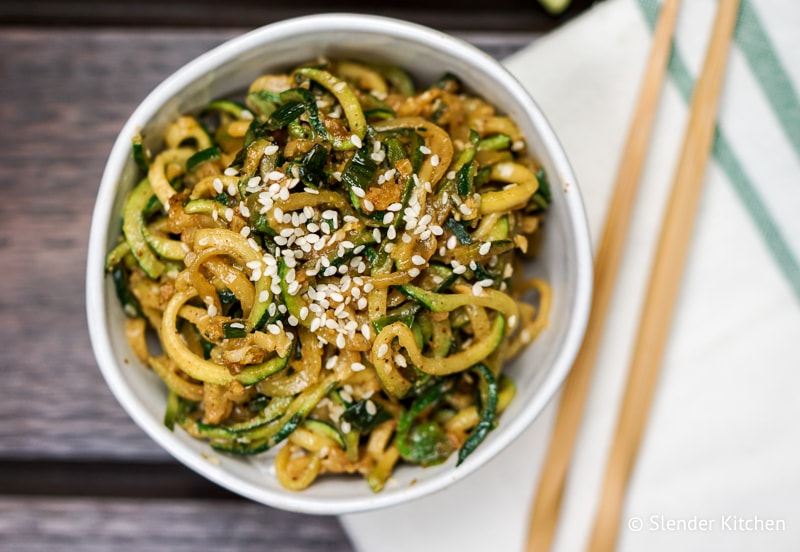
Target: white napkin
719	467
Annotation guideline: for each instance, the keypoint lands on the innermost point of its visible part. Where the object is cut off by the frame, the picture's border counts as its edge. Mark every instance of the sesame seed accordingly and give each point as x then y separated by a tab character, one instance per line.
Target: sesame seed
263	297
368	205
315	324
362	303
376	233
371	408
368	287
275	176
365	331
341	341
217	185
229	214
330	271
477	289
437	230
413	272
425	150
293	288
486	282
400	360
293	321
418	260
273	329
231	189
356	141
230	171
512	320
460	269
303	313
435	160
388	218
473	265
212	310
345	427
357	367
506	170
339	86
484	248
391	233
331	362
464	208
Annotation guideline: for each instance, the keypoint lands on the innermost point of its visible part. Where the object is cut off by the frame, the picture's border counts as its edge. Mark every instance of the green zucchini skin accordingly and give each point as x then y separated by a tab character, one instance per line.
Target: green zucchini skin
488	396
133	229
325	429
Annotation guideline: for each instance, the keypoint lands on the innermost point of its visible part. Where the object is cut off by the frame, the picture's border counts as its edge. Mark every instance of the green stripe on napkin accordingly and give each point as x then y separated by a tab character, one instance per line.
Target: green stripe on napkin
783	101
757	48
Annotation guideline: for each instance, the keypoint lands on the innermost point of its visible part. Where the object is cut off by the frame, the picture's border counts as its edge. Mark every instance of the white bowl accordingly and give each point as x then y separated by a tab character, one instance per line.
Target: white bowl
565	261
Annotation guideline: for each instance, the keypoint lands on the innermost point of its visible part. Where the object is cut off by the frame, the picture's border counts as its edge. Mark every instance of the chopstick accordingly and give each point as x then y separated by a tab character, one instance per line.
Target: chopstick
665	277
547	504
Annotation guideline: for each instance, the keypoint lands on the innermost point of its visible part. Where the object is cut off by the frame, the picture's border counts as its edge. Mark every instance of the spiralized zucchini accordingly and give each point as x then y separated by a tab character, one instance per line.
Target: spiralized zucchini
334	265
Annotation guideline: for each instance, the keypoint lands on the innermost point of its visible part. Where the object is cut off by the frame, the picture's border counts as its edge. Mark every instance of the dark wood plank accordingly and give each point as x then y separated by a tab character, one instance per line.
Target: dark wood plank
63	98
498	16
106	479
64	95
94	525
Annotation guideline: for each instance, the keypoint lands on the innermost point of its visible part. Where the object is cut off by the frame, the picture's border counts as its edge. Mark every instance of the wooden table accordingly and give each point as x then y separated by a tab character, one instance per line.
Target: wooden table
75	472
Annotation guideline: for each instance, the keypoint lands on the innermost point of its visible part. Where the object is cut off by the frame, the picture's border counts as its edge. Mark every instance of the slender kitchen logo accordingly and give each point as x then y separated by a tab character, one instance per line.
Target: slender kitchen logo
728	524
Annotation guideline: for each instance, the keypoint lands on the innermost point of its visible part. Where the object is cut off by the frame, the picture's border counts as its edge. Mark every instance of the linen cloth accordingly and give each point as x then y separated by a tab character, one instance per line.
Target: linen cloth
719	465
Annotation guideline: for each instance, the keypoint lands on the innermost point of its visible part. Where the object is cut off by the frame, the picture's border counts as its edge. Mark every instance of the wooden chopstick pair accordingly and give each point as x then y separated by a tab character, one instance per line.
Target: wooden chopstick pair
662	290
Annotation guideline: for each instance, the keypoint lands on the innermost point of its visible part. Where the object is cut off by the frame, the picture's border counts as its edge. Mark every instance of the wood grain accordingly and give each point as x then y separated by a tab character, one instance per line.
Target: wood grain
64	96
95	525
500	15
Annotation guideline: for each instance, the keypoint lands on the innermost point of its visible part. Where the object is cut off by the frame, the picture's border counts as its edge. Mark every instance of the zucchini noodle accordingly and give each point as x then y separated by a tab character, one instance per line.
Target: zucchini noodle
329	265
